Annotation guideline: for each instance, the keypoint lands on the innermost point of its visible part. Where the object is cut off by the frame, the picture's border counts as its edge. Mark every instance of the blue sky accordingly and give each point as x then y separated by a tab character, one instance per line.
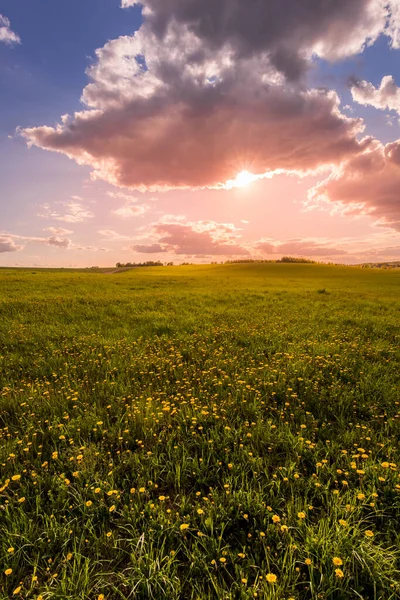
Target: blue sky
52	210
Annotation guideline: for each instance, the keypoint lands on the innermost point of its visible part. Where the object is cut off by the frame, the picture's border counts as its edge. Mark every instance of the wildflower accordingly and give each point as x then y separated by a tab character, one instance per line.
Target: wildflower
21	500
100	597
184	526
142	490
222	559
16	477
112	508
271	578
275	519
109	534
133	490
301	515
337	561
284	527
8	572
385	465
54	455
17	590
10	550
89	503
161	498
97	490
69	555
339	573
200	511
343	522
369	533
361	496
308	561
244	580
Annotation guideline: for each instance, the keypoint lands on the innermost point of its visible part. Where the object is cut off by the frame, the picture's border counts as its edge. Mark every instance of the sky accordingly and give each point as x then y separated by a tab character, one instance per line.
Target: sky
199	131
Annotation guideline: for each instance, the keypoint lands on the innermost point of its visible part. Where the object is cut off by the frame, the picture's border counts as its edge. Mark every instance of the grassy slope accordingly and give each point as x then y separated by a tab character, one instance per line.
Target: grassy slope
234	393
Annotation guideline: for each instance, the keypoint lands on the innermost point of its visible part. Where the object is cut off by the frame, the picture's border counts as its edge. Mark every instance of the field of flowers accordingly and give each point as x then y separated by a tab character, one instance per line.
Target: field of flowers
200	432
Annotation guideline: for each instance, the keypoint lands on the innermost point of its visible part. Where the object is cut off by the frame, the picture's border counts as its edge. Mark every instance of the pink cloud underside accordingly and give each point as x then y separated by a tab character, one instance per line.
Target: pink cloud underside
199	238
366	184
146	146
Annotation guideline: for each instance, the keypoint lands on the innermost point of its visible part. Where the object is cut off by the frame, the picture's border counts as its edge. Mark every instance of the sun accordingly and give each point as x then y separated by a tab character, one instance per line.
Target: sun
242	179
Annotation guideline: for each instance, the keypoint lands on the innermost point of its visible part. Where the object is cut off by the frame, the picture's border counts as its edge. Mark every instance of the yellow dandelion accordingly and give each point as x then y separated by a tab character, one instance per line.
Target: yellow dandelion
17	590
339	573
142	490
8	572
112	508
385	465
337	561
200	511
97	490
343	522
301	515
69	555
184	526
369	533
10	550
222	559
89	503
275	519
308	561
16	477
100	597
271	578
161	498
361	496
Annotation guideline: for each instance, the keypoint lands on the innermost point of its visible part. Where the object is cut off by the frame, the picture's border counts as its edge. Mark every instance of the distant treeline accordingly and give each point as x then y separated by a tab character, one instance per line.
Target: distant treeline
152	263
148	263
284	259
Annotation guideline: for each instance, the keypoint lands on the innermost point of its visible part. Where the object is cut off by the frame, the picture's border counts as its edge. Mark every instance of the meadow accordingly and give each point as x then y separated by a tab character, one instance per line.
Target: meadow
200	432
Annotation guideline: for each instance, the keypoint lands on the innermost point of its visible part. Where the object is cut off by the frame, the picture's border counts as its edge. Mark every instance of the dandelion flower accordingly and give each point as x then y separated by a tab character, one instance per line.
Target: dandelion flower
222	559
275	519
337	561
369	533
17	590
339	573
89	503
112	508
271	578
308	561
301	515
184	526
8	572
16	477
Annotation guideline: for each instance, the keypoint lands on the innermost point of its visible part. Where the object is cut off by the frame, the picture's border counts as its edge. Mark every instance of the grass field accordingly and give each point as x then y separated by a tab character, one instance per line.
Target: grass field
200	432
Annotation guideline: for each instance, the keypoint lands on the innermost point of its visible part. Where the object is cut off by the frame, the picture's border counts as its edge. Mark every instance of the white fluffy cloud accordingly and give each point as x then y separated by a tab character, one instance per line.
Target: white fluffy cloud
7	35
384	97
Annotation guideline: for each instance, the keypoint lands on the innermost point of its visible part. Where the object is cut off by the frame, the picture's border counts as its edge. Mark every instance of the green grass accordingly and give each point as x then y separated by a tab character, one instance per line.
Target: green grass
169	426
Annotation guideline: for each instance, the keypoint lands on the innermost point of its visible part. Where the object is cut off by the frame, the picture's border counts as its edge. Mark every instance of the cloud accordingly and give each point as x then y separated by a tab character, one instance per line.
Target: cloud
384	97
6	34
206	89
7	244
75	212
306	248
368	184
150	248
130	208
59	242
286	32
200	238
58	230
